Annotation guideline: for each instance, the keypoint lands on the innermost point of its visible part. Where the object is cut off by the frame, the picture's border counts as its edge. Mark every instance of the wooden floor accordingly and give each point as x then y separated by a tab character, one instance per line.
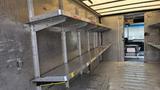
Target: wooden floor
119	76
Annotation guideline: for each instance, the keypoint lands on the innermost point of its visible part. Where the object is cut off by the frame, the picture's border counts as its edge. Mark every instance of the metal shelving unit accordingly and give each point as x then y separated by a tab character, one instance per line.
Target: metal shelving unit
63	22
154	45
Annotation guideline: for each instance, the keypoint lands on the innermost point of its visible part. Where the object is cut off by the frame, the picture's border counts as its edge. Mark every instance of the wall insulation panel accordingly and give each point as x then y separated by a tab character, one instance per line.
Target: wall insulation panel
91	40
72	45
84	41
50	49
114	37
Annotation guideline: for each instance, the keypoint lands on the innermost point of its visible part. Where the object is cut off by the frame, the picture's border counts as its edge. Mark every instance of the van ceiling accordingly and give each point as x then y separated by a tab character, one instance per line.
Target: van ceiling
110	7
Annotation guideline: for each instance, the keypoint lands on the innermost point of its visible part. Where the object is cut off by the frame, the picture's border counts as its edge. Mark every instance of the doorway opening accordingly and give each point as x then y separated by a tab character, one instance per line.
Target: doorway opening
134	37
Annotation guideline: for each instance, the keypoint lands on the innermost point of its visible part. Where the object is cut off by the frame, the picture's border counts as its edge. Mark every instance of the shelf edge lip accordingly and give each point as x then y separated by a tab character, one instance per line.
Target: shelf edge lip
51	79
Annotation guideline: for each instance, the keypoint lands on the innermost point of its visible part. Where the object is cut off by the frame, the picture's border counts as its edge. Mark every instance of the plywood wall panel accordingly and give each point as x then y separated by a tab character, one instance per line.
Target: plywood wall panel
15	10
75	9
69	6
152	54
45	6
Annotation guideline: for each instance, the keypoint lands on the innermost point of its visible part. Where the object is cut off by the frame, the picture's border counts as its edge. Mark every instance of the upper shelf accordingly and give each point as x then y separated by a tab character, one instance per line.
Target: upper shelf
154	45
64	19
156	25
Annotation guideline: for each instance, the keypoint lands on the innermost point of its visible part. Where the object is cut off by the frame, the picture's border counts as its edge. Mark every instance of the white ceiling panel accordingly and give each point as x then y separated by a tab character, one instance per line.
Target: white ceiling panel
131	10
108	7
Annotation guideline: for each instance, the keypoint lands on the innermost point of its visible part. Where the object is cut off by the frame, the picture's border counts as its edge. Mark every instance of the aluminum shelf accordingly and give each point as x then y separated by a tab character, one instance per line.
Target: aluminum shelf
74	67
154	45
156	26
64	19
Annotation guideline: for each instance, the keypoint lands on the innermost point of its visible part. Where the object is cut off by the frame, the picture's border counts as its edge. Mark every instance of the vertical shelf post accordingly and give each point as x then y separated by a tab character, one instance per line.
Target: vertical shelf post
34	43
61	7
100	39
100	43
80	51
79	43
30	9
89	48
94	34
96	39
65	58
35	55
88	37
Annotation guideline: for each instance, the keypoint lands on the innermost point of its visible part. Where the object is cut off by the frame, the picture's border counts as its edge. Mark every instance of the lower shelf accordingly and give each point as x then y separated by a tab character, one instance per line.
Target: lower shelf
154	45
68	71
